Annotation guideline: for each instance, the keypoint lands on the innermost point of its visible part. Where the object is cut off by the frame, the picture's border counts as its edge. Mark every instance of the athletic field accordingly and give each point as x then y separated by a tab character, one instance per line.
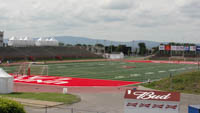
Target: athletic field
114	70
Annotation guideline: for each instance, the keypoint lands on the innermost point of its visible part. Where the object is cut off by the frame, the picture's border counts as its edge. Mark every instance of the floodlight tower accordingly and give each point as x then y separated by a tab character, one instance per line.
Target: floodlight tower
183	48
111	47
104	47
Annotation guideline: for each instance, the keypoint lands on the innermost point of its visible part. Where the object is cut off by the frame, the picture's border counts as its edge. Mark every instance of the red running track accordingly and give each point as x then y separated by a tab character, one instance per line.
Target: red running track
160	61
69	81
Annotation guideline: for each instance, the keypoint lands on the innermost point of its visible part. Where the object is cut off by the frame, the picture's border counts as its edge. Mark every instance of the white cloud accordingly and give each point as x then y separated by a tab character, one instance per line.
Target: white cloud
118	4
160	20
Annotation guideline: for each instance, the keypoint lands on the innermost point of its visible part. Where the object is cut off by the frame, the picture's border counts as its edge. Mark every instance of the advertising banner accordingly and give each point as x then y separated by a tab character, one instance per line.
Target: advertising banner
161	47
198	48
180	48
144	101
186	48
192	48
173	48
167	47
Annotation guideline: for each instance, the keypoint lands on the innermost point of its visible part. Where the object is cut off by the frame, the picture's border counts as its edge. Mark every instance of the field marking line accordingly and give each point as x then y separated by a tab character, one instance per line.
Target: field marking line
172	70
149	73
135	75
161	71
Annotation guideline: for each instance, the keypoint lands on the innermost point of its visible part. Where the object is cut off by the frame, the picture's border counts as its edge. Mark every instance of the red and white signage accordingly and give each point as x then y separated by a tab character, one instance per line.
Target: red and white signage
68	81
142	101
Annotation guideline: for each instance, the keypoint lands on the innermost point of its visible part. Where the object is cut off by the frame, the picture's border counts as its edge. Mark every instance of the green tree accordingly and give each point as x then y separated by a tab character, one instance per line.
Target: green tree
78	45
61	44
99	45
142	48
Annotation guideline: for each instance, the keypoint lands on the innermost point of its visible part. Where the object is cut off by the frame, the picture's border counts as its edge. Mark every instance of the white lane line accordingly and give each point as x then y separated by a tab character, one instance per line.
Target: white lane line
172	70
161	71
134	75
118	77
149	73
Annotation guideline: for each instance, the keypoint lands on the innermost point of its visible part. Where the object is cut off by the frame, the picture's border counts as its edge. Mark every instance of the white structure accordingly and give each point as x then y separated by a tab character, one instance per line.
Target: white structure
21	42
1	38
28	42
6	82
114	56
142	101
47	42
53	42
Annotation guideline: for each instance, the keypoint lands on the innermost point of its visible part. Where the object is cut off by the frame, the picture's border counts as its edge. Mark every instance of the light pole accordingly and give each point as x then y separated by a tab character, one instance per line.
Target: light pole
183	49
133	48
111	47
104	47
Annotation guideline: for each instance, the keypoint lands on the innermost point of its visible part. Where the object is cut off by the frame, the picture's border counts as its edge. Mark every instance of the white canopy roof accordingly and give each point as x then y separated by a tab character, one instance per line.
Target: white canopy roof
41	39
12	38
4	74
26	38
53	39
21	38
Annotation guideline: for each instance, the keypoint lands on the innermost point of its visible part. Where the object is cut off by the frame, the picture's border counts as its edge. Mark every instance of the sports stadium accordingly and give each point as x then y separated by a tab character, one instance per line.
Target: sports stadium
76	70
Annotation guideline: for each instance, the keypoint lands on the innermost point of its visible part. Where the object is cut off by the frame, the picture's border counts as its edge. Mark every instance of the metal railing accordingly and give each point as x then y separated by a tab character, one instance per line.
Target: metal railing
41	108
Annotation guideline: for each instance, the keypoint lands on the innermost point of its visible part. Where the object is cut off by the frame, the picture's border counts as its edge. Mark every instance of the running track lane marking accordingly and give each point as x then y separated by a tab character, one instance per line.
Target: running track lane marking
161	71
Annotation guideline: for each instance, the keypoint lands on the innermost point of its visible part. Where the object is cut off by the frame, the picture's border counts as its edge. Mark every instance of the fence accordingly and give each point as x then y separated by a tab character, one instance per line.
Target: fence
39	108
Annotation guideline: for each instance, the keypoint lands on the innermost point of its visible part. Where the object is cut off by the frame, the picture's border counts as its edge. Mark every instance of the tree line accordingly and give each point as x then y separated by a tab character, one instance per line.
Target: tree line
127	50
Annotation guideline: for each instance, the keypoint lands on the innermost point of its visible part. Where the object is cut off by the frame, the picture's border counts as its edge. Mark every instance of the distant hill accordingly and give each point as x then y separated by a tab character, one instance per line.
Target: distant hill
83	40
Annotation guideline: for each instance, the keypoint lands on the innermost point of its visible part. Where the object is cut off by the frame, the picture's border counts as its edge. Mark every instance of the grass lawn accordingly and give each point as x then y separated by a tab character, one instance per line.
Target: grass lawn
188	82
114	70
54	97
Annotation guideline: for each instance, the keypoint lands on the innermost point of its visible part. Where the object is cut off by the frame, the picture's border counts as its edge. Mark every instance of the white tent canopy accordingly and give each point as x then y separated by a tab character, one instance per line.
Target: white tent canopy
21	42
6	82
47	42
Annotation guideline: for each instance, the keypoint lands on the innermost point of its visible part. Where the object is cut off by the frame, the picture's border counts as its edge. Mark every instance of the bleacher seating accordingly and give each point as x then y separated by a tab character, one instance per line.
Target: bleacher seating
20	53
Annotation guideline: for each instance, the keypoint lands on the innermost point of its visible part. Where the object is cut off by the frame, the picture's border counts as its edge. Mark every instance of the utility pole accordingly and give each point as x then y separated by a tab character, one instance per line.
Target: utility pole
133	48
104	47
198	63
111	47
183	49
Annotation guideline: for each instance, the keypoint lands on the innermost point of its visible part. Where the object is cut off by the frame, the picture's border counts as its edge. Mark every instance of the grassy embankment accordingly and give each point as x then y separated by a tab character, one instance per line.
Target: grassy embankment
54	97
188	82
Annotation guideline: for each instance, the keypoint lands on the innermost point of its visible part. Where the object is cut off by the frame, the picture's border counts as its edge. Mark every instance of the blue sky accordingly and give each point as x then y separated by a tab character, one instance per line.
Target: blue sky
119	20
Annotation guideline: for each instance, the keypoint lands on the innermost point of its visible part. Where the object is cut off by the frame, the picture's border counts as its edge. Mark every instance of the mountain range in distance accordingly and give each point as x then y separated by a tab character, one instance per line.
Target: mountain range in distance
83	40
88	41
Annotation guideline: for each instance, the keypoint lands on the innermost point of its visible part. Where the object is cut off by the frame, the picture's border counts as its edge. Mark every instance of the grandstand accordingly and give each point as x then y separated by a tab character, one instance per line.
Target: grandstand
44	53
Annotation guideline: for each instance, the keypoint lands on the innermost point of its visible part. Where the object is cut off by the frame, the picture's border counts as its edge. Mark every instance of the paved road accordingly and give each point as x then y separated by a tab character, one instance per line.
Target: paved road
107	102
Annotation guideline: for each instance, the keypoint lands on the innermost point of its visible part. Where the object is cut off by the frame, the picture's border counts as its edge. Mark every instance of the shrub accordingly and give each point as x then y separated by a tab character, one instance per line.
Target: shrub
10	106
